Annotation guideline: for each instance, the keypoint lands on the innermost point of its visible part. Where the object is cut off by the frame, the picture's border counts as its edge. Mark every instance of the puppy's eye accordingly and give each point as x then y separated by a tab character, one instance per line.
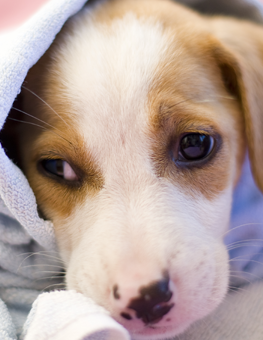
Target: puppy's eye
59	168
195	147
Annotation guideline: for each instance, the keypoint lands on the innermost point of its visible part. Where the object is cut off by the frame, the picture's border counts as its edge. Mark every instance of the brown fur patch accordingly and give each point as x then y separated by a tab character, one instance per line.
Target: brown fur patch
56	196
245	58
56	138
189	96
163	10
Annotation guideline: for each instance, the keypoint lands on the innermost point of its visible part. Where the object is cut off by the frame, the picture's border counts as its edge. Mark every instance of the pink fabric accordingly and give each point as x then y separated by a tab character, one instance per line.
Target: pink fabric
15	12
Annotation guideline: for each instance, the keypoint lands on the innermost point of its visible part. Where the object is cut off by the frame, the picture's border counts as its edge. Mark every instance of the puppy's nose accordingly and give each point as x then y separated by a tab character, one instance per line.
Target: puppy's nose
152	304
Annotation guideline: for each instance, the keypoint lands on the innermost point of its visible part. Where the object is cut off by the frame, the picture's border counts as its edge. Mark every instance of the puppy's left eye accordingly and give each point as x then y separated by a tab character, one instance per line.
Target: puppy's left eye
59	168
195	146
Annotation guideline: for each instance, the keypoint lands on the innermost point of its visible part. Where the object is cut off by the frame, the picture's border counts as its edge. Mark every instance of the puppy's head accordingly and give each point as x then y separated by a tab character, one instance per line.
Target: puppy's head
142	113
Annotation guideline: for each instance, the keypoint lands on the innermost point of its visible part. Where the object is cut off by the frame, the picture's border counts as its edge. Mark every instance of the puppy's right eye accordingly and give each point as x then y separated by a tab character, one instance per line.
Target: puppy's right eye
195	146
59	168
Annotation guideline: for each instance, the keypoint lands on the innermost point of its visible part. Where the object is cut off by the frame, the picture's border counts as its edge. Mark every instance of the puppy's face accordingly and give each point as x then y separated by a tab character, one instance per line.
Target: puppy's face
141	145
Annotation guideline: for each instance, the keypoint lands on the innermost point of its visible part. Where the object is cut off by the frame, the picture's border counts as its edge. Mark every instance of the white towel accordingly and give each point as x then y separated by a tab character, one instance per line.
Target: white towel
74	317
28	254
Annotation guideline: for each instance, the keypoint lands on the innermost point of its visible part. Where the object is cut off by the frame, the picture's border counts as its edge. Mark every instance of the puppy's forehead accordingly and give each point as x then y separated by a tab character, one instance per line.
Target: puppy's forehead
111	73
107	72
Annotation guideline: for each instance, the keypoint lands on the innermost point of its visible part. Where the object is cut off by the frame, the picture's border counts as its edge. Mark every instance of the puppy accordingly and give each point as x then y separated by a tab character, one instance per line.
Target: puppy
138	119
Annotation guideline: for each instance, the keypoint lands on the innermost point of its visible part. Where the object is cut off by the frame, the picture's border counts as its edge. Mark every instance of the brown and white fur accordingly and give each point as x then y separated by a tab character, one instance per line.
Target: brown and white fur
140	231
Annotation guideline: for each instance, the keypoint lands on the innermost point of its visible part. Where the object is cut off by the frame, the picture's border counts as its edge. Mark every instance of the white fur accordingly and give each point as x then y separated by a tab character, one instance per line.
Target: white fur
138	225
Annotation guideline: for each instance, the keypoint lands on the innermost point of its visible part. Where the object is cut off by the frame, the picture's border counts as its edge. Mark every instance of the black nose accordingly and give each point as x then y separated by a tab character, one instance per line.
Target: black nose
152	304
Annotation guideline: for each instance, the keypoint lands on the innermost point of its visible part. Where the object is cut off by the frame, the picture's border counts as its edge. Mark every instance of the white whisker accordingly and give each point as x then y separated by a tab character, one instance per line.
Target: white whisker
55	285
242	225
245	243
43	101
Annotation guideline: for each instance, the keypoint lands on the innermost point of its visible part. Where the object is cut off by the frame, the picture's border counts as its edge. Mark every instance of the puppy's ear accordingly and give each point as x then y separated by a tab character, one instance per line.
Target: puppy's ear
240	57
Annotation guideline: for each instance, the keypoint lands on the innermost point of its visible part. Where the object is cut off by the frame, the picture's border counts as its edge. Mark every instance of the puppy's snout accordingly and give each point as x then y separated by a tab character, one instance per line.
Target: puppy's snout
152	303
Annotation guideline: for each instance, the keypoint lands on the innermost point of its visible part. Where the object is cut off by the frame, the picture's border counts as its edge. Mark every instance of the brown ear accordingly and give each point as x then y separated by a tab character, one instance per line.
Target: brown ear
240	56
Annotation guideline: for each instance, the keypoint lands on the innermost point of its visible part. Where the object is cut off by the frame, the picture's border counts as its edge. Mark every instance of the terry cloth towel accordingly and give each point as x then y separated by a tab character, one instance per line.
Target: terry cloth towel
29	262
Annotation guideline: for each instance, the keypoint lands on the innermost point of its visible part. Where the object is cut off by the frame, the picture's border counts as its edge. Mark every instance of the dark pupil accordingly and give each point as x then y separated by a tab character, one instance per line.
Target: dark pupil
54	166
195	146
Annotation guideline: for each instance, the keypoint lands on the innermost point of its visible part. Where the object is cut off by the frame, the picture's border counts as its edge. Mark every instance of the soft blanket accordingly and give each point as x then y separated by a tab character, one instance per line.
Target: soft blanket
29	262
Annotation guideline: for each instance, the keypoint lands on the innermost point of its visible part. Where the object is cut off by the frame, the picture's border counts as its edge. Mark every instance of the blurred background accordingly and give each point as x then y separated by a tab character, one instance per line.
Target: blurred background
15	12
